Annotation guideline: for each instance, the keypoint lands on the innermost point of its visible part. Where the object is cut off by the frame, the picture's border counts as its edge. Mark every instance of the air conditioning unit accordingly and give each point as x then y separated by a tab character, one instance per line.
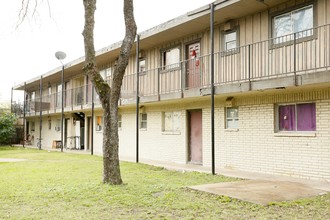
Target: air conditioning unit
230	102
230	25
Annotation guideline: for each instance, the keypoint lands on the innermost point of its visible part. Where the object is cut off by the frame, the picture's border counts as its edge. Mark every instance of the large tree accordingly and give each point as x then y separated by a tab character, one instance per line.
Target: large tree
109	95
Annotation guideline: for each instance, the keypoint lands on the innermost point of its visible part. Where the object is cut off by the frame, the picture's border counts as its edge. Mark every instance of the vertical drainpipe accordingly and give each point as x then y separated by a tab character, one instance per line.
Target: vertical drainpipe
24	110
92	125
137	96
212	86
62	111
40	112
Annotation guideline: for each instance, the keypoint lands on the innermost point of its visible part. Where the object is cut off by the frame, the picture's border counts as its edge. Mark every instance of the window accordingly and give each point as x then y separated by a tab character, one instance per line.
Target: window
230	40
49	90
171	58
171	121
143	121
231	118
98	123
119	121
297	117
59	95
300	20
49	124
106	74
58	125
142	66
33	95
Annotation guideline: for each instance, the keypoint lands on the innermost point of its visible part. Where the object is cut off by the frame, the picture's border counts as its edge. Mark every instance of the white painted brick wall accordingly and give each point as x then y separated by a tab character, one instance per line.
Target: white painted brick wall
254	147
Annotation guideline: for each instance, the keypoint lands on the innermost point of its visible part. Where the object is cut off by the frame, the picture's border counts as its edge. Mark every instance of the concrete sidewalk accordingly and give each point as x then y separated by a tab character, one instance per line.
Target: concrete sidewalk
255	187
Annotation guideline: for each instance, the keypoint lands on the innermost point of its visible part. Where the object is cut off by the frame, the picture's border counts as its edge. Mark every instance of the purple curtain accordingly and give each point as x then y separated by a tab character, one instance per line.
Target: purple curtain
306	117
287	118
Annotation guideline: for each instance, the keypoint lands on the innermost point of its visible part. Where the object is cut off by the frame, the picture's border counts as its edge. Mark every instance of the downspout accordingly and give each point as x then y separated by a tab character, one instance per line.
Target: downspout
137	96
92	125
24	110
40	113
212	86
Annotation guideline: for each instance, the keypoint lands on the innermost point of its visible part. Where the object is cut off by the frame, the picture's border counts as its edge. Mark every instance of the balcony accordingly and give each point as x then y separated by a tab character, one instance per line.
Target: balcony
297	59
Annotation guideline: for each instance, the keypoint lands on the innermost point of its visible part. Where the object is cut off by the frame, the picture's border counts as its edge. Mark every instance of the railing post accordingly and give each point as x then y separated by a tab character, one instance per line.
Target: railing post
250	66
295	59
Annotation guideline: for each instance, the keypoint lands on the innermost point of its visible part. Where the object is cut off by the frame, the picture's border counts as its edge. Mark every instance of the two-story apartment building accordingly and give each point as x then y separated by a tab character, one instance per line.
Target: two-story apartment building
271	81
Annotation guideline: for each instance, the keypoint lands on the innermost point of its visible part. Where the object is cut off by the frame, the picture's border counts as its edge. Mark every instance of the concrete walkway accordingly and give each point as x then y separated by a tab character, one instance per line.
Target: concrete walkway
255	187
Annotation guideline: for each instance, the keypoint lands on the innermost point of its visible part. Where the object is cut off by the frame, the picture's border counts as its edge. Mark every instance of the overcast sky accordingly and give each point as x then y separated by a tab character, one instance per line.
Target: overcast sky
28	51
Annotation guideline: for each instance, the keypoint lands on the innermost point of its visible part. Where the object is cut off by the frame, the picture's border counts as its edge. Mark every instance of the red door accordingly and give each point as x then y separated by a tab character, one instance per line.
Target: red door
195	137
193	76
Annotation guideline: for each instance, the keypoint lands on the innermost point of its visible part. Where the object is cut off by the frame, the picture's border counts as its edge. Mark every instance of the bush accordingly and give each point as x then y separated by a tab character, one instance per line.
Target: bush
7	127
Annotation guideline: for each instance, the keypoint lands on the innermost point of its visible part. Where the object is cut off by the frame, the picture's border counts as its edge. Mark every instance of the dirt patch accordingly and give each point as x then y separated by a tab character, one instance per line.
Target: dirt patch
261	191
7	160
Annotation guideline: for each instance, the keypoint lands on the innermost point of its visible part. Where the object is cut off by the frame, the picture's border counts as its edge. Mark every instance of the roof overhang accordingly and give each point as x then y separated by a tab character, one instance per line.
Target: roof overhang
190	23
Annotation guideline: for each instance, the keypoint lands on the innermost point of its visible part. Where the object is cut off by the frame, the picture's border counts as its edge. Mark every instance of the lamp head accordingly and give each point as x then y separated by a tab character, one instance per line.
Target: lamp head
60	55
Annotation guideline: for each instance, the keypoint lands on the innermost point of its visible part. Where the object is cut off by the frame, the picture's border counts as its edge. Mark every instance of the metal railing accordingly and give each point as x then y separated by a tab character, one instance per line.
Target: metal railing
290	55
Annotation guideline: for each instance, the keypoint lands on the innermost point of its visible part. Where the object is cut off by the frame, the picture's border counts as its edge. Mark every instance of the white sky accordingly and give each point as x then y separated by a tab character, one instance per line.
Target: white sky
28	51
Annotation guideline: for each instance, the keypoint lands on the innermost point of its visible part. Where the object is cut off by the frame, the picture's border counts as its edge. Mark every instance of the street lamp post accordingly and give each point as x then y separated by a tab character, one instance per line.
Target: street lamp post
61	56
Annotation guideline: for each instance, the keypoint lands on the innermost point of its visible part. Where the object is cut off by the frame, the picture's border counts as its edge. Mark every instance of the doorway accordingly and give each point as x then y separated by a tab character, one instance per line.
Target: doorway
195	132
66	126
89	133
193	76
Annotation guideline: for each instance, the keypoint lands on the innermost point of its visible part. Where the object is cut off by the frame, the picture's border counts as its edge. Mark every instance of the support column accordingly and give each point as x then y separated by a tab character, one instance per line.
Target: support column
62	111
24	115
212	87
92	125
40	115
137	96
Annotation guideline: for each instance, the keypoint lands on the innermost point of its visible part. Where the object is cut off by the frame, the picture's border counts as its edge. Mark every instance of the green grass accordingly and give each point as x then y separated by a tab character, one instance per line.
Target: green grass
53	185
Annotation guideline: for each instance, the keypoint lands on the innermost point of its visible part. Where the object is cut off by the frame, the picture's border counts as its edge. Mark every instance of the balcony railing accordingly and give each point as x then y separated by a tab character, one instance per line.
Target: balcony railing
295	54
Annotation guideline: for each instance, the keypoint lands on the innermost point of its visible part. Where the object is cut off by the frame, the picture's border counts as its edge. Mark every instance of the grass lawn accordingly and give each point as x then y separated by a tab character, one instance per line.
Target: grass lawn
53	185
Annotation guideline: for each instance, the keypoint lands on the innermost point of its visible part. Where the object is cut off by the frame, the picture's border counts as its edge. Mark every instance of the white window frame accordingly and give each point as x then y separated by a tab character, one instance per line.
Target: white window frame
142	66
226	42
106	73
143	121
277	116
174	126
233	118
168	61
58	125
299	34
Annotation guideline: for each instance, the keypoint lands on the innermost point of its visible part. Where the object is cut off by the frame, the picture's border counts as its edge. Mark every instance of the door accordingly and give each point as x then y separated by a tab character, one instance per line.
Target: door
66	127
89	133
195	137
193	76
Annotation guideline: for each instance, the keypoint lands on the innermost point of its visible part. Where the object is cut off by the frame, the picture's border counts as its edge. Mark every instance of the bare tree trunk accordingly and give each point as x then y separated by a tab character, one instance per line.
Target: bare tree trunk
109	97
